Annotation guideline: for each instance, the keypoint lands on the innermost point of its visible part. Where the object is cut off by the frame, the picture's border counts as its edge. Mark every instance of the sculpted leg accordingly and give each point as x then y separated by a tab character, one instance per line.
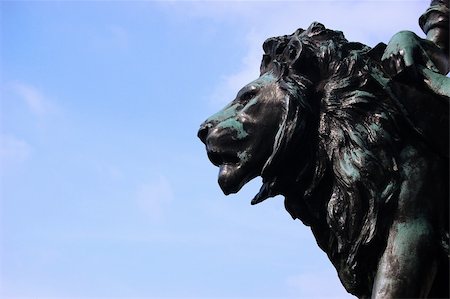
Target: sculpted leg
408	265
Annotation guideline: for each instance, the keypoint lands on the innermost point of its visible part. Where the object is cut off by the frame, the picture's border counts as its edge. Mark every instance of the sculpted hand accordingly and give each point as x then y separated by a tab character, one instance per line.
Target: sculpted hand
404	50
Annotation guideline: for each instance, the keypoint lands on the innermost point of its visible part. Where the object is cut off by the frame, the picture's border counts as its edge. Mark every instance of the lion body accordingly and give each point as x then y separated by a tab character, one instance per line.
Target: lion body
369	152
350	165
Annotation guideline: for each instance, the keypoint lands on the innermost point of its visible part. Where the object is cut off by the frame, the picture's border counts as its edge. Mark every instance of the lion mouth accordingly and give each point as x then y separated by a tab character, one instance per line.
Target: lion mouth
232	173
220	158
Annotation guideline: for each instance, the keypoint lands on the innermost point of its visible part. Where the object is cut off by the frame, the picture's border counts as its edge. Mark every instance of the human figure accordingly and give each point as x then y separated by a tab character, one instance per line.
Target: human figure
406	48
418	69
429	58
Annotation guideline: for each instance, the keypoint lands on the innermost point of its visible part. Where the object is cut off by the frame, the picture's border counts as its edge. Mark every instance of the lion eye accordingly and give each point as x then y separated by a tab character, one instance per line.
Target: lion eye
247	96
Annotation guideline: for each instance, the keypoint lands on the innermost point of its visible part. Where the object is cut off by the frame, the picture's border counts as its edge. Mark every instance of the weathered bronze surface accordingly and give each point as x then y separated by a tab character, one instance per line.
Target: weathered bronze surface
357	141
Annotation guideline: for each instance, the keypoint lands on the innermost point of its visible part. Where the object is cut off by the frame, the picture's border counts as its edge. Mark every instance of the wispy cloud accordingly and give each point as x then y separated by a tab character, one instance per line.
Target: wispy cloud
263	20
34	99
13	151
154	197
249	71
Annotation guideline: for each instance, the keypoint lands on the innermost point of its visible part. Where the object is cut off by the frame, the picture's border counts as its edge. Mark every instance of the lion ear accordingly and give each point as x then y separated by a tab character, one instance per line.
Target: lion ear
272	47
315	28
266	60
293	50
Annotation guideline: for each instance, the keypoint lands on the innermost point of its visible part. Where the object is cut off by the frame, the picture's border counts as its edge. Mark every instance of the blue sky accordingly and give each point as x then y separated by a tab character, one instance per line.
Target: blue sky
105	190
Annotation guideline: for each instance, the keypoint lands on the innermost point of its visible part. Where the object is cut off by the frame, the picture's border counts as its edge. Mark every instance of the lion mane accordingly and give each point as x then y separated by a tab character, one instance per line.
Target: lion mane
334	157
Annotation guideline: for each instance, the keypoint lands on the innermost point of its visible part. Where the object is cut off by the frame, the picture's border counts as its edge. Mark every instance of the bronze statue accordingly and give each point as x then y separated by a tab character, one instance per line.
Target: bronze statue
356	140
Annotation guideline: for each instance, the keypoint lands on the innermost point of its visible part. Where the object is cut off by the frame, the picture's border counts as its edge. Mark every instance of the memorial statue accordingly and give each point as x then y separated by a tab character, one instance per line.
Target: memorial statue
356	140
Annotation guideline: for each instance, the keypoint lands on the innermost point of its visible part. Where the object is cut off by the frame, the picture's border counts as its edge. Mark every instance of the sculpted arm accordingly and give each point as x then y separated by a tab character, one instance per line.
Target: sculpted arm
406	49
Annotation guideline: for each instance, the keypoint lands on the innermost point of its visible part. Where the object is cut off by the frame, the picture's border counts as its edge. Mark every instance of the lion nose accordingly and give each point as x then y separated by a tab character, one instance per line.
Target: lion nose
203	131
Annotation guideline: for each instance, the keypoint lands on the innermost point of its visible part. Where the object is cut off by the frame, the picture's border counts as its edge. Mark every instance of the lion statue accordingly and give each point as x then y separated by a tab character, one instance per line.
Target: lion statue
322	127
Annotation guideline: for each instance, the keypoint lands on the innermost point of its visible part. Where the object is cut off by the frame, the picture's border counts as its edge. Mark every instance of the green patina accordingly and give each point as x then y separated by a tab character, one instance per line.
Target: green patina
361	136
440	84
408	233
402	43
356	137
379	77
235	125
388	191
244	156
375	127
348	167
226	116
252	102
227	112
264	79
